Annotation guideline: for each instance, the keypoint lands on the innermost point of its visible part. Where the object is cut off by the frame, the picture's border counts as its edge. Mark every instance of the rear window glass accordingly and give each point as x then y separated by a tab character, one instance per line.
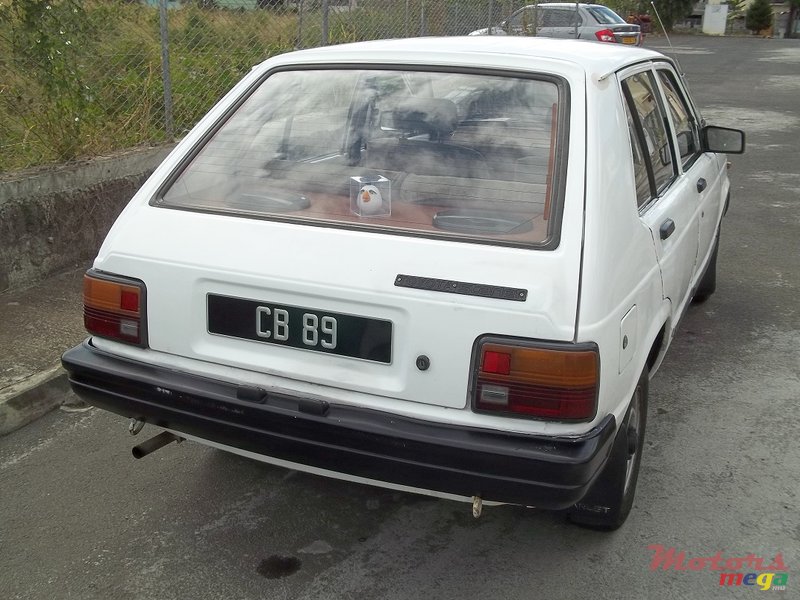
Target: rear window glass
460	155
605	15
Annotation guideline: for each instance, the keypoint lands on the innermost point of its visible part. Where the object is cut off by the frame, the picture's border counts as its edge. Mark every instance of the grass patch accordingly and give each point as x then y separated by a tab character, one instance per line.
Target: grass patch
84	79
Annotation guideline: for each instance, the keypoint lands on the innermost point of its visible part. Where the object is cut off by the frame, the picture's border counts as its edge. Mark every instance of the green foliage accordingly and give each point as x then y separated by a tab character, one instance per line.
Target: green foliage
84	77
43	39
737	8
672	11
759	16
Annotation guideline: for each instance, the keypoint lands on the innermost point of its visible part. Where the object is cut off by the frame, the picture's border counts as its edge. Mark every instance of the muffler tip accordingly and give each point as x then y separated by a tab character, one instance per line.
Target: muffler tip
154	443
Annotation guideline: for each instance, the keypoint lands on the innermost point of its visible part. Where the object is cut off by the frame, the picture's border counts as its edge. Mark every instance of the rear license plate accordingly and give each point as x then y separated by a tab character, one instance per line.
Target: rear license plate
628	40
298	327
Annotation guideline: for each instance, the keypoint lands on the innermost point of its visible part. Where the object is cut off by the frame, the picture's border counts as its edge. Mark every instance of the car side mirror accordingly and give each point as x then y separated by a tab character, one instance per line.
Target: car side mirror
722	139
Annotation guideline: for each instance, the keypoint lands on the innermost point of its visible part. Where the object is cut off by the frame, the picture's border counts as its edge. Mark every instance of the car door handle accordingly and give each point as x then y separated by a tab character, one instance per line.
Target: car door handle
667	228
701	184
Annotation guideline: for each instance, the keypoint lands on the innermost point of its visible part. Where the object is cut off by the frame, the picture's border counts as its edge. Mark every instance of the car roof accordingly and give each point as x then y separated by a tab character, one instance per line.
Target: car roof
480	51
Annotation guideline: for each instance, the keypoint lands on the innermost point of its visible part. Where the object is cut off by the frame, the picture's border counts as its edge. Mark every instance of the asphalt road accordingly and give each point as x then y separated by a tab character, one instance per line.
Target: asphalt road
79	518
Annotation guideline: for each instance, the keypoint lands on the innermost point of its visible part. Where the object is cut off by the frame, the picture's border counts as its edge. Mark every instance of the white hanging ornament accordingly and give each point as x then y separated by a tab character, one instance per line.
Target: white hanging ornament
369	200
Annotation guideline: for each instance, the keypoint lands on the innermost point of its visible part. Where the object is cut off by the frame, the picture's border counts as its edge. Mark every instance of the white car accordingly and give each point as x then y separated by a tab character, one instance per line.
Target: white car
440	265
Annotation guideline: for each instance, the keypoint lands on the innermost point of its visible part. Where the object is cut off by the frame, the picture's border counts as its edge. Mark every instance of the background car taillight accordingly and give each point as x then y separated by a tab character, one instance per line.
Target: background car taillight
113	307
542	381
605	35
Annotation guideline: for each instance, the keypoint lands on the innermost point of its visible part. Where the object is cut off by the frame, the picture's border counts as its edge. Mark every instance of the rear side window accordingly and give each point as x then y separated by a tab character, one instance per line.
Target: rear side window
558	17
469	156
649	124
643	191
683	120
604	15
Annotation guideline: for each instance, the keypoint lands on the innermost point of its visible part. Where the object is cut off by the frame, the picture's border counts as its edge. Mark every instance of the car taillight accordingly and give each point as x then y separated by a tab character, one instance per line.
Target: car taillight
113	307
605	35
542	381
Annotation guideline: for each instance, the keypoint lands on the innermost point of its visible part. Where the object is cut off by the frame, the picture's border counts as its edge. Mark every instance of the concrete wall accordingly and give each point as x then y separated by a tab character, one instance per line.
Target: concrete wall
56	219
715	18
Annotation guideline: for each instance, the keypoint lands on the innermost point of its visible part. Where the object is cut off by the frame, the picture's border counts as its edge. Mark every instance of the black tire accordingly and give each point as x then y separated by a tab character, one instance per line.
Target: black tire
610	499
708	284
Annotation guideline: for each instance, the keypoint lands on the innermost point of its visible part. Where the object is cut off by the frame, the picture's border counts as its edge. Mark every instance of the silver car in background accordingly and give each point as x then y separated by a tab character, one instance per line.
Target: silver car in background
568	20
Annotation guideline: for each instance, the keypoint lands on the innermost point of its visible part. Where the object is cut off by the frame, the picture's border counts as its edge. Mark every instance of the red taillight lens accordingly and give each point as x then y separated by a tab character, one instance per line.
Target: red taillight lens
605	35
545	382
496	362
112	307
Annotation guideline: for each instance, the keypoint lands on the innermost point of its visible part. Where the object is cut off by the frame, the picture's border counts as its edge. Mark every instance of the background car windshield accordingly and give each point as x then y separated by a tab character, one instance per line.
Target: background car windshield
439	154
604	15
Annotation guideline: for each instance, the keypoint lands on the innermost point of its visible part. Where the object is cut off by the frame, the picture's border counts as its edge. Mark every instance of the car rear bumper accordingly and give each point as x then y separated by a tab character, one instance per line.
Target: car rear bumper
547	472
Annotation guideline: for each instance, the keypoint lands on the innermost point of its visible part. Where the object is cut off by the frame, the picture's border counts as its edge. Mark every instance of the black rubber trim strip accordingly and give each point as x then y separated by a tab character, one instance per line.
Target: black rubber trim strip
548	472
461	287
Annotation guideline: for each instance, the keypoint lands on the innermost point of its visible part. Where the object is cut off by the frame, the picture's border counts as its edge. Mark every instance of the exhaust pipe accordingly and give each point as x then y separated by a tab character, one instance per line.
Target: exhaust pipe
154	443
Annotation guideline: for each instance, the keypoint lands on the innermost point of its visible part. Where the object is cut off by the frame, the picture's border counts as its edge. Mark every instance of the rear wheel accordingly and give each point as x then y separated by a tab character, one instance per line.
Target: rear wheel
610	499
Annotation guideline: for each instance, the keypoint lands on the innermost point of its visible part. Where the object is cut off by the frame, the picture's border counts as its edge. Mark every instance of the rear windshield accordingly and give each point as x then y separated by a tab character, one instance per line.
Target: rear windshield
459	155
604	15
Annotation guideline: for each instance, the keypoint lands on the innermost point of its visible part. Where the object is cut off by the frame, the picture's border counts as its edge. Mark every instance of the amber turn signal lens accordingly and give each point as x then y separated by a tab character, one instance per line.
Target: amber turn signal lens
549	381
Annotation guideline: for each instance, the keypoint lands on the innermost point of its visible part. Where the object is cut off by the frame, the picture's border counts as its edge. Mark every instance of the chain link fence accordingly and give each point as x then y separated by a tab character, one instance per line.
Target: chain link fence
81	78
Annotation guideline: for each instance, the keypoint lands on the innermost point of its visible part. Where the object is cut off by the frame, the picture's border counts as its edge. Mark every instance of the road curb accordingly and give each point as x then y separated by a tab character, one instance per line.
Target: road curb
32	398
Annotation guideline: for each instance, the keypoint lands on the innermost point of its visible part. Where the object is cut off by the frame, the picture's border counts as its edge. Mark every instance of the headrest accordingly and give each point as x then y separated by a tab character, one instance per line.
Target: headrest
436	116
